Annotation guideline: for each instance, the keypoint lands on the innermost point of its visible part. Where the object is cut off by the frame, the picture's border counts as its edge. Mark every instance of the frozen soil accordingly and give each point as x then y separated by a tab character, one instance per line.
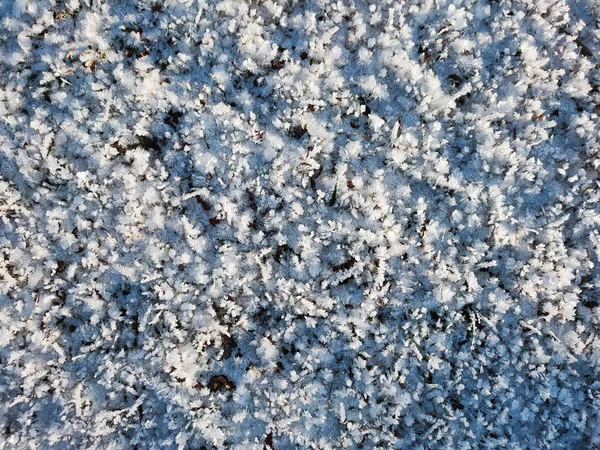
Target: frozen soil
299	224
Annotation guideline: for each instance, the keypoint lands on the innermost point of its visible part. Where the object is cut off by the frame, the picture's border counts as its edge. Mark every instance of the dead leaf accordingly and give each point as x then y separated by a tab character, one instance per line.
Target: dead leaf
219	382
268	442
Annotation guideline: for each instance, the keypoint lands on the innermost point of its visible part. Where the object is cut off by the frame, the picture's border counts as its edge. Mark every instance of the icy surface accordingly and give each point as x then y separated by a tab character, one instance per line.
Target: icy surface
299	224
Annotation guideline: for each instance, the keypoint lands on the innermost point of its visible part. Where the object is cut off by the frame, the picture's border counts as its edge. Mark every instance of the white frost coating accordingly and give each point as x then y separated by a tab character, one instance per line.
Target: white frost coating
299	224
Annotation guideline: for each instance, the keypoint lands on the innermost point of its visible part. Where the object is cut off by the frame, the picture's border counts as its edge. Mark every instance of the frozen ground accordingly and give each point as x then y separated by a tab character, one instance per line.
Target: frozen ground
312	225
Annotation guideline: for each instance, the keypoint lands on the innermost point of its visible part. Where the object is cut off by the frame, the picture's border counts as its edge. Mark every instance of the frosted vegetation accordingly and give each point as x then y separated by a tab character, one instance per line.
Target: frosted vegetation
299	224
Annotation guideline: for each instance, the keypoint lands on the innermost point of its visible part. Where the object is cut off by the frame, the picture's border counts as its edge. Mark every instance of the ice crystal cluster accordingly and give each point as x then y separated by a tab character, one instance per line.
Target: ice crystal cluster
315	224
